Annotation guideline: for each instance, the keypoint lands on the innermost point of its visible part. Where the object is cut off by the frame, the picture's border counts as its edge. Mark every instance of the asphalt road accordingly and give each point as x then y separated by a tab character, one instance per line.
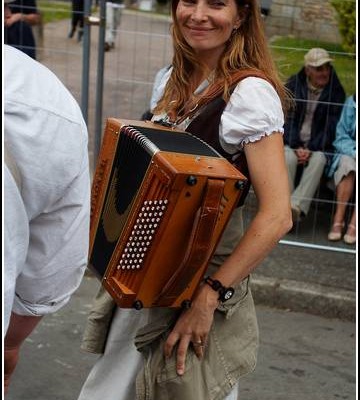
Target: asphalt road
301	356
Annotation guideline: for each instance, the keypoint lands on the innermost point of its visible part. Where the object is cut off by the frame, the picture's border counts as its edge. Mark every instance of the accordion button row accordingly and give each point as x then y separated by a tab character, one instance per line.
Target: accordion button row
143	232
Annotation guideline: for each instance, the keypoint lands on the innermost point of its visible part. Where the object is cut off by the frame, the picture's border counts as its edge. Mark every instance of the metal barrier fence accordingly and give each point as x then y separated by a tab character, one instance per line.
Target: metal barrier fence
118	83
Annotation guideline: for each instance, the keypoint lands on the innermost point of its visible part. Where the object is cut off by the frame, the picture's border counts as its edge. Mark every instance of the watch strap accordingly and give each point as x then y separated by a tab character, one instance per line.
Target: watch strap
225	293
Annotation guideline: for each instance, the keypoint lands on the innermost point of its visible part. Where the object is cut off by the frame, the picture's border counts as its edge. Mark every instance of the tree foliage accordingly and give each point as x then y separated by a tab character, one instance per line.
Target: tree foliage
346	12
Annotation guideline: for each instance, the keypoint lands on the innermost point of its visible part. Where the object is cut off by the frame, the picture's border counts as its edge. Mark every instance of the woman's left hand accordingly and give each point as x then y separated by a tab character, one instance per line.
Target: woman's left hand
193	327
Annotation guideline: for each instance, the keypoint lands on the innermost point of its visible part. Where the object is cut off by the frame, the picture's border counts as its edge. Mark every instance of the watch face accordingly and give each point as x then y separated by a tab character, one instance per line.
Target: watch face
228	294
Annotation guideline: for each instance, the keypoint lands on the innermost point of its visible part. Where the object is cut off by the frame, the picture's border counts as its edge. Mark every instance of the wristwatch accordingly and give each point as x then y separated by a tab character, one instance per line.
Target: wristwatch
225	293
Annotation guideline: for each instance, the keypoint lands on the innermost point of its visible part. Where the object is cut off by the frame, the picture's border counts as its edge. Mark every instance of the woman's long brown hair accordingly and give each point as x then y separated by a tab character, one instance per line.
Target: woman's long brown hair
246	49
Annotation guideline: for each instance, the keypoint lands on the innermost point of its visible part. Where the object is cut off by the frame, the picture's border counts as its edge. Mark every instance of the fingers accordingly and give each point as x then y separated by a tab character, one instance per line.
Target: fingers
184	342
169	344
181	356
199	347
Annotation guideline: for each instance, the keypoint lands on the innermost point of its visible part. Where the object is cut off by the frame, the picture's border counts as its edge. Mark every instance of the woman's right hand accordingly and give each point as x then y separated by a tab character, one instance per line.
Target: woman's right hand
192	327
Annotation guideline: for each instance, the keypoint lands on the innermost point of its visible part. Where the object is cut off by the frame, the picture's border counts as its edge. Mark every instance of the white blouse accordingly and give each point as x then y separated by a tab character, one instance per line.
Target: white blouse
252	112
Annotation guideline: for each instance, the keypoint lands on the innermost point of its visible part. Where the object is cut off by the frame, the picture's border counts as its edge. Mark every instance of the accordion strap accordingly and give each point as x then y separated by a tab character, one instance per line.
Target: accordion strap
197	254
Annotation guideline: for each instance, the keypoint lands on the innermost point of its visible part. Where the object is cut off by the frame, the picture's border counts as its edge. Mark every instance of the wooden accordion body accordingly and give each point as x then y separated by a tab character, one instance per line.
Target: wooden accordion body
161	199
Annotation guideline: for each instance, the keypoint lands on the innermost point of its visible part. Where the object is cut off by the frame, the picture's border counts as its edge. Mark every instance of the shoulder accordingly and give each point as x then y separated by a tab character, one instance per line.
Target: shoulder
30	7
253	111
335	86
299	77
26	7
255	84
255	95
161	78
350	101
43	124
31	85
349	109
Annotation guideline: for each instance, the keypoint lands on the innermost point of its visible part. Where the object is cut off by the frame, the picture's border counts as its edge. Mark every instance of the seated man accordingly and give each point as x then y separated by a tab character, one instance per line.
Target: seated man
309	129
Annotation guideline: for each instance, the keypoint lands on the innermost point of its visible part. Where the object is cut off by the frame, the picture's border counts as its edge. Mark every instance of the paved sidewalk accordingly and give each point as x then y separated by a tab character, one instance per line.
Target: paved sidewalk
314	281
302	279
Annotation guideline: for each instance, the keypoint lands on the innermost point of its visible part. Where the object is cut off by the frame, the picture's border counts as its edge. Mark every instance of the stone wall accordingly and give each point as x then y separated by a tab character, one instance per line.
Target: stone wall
306	19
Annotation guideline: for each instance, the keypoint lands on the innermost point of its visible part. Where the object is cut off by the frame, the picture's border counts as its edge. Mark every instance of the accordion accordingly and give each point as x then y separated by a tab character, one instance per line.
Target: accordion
160	201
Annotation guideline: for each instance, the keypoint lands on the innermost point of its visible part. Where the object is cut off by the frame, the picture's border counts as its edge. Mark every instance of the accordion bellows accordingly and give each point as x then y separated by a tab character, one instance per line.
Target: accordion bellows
161	199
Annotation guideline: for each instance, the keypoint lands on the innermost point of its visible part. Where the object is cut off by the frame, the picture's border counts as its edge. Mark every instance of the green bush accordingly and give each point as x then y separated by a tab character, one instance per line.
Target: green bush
346	11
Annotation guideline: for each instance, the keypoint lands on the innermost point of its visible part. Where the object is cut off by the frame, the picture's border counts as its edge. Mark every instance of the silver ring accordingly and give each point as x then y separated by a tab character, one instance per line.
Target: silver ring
198	344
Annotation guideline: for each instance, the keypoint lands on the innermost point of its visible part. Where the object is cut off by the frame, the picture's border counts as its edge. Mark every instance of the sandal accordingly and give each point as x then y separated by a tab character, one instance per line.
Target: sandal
336	233
350	238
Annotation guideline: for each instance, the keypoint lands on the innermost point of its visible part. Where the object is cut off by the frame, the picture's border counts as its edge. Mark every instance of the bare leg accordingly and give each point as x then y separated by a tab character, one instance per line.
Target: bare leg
353	218
344	192
350	236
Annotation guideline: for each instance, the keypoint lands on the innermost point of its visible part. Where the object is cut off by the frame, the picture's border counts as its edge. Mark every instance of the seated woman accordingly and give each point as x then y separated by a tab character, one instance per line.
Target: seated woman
343	170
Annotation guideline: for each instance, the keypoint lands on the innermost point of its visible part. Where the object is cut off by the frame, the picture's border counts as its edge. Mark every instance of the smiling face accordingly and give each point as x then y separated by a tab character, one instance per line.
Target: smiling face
207	25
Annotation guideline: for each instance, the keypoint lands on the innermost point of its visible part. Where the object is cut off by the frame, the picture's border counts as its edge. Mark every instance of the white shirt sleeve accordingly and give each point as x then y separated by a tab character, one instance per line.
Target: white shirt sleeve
160	81
47	136
253	111
15	240
57	250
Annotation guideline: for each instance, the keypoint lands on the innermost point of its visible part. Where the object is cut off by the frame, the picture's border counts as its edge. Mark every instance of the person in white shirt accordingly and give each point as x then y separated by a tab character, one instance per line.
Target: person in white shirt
46	198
